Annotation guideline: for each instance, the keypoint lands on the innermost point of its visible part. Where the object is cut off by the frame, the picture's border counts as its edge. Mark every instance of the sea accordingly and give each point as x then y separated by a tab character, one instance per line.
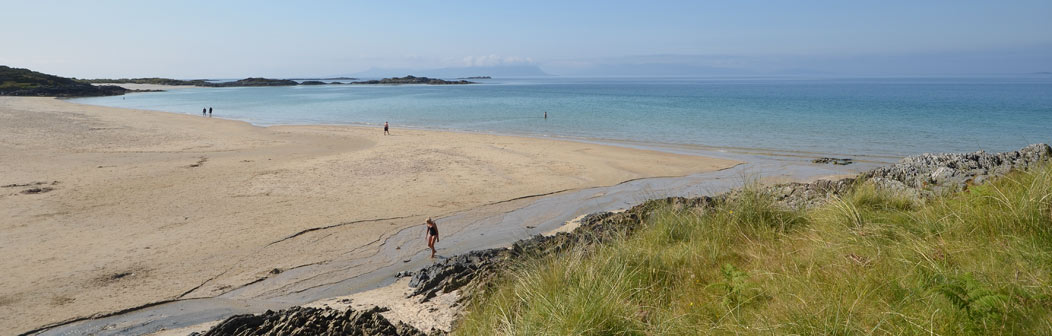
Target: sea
853	117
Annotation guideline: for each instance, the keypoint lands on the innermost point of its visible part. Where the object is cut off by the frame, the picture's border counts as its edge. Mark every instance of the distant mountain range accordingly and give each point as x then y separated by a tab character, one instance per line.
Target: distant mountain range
457	72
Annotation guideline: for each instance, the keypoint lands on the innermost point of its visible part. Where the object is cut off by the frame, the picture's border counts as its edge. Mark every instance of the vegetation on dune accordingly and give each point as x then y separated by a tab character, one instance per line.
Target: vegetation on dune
872	262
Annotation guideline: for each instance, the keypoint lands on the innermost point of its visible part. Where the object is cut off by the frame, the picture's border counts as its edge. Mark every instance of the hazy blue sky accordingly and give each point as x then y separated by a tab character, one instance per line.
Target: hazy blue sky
189	39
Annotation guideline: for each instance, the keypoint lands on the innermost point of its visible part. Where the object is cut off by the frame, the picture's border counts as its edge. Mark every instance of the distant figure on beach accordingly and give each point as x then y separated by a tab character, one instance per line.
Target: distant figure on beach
209	111
432	235
204	111
545	114
387	130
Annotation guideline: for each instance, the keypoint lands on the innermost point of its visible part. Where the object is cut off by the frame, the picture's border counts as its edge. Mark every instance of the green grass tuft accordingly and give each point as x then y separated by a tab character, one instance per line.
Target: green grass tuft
871	262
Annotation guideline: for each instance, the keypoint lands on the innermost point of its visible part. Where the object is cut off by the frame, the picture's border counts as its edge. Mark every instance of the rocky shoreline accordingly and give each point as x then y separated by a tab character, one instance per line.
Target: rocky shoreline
923	176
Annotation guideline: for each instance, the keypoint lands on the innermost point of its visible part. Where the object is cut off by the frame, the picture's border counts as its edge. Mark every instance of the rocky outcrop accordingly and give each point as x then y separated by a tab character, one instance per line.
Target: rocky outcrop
413	80
807	195
300	321
935	173
312	82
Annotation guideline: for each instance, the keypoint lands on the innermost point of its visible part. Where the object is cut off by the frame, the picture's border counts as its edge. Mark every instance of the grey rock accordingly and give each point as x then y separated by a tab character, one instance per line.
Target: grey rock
297	321
936	173
836	161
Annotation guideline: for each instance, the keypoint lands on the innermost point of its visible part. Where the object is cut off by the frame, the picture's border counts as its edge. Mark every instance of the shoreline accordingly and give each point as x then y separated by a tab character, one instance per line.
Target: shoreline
734	153
131	153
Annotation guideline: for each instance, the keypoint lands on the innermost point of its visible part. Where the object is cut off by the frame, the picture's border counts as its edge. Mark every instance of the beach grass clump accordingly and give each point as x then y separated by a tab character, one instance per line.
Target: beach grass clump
873	261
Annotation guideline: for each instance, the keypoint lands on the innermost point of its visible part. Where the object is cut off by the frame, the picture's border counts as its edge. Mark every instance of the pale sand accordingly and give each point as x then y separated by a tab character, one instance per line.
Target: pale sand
149	205
438	313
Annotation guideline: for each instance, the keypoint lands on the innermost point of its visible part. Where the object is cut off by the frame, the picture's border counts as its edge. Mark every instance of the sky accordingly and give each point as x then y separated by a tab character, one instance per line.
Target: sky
233	39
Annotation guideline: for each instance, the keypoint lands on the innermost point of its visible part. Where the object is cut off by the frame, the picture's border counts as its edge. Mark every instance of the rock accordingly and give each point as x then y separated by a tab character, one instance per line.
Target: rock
836	161
935	173
313	321
450	274
37	190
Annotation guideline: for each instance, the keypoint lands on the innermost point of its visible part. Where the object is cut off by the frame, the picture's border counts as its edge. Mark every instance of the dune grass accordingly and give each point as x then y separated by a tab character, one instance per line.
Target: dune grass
872	262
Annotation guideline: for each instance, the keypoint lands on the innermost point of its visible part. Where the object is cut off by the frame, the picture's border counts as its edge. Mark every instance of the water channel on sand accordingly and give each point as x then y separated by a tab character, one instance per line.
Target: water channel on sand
495	225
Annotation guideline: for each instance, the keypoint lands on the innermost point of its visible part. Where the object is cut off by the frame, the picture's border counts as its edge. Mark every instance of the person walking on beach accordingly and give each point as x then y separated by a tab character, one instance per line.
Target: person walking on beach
204	111
432	235
210	111
387	131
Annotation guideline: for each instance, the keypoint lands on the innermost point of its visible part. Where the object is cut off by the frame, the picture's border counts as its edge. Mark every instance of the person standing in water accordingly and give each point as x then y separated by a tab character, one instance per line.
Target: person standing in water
204	111
545	115
209	111
387	131
432	235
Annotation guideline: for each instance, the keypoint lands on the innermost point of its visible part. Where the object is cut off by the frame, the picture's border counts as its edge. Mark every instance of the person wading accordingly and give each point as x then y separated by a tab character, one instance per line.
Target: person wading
432	235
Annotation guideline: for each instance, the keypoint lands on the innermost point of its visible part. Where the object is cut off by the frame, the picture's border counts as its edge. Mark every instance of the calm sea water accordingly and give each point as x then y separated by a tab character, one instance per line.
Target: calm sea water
848	117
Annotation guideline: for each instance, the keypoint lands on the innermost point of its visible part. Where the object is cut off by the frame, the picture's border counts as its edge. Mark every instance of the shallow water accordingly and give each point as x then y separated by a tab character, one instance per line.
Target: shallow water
886	117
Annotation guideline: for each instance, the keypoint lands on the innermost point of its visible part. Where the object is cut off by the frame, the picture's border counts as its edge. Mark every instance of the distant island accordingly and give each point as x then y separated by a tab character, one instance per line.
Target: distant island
413	80
25	82
477	77
251	81
325	79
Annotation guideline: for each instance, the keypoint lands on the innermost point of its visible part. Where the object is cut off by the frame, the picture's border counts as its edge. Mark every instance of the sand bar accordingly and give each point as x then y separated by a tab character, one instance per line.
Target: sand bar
133	207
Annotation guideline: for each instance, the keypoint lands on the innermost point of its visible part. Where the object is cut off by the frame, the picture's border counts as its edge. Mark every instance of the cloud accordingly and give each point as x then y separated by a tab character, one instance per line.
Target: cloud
494	60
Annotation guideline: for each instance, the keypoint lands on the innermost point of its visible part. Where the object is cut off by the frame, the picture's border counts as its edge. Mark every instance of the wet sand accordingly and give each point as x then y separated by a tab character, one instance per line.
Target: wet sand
105	209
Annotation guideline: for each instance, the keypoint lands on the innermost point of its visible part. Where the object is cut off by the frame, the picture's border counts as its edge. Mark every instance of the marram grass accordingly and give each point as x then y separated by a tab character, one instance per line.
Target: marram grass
871	262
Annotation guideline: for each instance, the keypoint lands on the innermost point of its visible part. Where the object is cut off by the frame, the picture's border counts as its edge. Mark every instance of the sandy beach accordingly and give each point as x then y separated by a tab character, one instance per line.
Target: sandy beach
106	209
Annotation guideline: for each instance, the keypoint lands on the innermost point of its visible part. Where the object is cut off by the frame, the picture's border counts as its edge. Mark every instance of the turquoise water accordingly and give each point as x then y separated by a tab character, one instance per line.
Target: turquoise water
848	117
